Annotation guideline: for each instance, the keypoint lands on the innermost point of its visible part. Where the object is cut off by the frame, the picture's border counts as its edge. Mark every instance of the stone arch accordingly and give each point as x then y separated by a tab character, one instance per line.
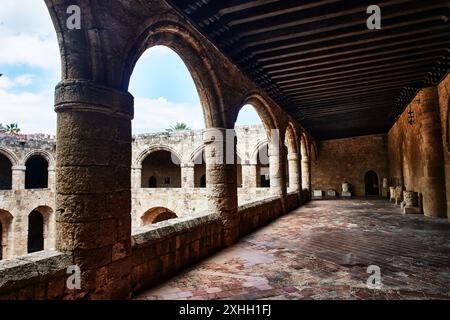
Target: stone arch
314	153
304	142
291	138
163	164
264	111
144	154
40	153
36	172
157	214
10	155
191	51
41	229
256	151
5	172
196	153
5	234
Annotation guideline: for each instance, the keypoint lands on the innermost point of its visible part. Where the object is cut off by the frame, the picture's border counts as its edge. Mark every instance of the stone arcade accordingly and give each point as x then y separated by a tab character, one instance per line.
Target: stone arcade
335	94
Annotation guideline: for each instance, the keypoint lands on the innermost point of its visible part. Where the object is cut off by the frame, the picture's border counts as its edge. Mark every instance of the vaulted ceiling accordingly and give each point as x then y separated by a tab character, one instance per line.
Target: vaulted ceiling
321	63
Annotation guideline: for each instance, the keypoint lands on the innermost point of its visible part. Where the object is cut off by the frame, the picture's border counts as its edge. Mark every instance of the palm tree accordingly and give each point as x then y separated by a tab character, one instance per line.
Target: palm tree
12	128
2	128
178	127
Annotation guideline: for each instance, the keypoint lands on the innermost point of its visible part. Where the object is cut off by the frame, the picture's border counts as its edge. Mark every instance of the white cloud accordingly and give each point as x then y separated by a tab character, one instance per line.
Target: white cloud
159	114
22	81
33	112
27	35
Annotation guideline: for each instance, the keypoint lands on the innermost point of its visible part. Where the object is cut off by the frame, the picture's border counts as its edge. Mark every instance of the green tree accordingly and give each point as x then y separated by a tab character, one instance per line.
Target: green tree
178	127
2	128
12	128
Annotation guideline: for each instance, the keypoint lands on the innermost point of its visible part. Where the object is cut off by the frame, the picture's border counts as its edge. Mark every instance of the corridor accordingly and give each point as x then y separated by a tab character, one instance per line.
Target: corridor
322	251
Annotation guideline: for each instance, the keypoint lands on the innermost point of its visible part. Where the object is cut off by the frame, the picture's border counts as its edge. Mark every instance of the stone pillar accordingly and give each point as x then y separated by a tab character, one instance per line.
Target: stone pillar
51	178
136	178
295	179
18	177
187	175
93	185
249	175
306	174
432	183
220	154
277	169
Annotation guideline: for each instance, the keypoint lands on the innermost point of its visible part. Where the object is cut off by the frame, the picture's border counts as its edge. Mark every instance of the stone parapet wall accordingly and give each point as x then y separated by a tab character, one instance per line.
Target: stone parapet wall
158	252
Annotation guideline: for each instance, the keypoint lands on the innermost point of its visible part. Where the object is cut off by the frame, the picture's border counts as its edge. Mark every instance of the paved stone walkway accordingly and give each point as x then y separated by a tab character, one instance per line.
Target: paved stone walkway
322	251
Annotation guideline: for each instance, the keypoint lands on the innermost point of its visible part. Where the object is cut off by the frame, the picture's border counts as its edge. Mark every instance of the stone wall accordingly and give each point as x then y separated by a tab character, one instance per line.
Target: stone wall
444	109
418	154
348	160
158	251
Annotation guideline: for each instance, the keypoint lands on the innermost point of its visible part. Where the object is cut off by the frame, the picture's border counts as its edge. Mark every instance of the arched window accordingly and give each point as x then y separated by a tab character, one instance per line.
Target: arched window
35	232
36	175
161	166
158	214
5	173
371	183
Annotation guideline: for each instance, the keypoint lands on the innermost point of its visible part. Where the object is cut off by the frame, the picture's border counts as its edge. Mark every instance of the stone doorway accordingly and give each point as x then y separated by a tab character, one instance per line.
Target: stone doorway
371	183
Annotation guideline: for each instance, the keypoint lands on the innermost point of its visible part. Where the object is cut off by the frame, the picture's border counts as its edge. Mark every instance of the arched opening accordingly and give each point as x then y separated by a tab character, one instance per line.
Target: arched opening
200	170
262	167
159	107
161	169
35	232
252	136
36	174
41	229
371	183
157	214
5	173
5	224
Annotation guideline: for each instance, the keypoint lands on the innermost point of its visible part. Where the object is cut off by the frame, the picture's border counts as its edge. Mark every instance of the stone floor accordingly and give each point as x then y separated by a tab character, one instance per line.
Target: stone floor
322	251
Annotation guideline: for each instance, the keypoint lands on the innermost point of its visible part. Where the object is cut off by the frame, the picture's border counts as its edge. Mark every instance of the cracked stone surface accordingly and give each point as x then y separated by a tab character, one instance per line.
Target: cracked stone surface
322	251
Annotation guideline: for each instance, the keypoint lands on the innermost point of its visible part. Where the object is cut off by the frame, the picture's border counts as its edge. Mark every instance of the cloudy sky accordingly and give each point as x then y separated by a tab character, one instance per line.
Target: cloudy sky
29	61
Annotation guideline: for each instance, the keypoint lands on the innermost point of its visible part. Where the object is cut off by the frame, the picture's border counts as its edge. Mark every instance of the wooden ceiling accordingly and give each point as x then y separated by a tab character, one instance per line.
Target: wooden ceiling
321	63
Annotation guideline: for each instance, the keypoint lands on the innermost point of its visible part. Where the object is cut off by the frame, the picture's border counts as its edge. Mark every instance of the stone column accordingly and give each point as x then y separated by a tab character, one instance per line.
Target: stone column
306	174
51	178
295	179
220	156
18	177
432	183
277	169
93	185
188	175
136	178
249	175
